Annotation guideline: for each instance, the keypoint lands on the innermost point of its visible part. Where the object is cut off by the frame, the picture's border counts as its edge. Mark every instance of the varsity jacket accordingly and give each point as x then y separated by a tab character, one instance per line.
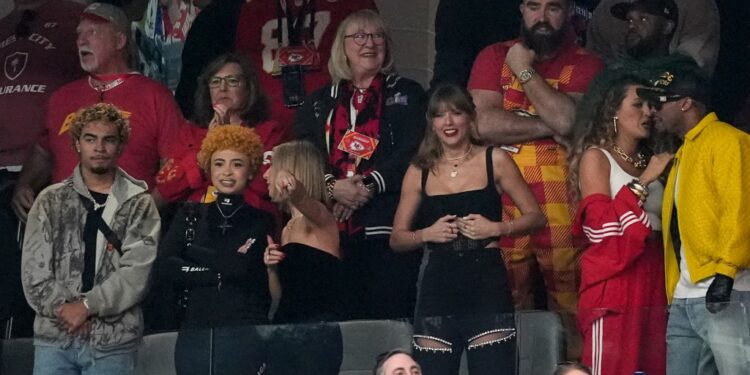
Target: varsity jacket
712	203
402	126
53	253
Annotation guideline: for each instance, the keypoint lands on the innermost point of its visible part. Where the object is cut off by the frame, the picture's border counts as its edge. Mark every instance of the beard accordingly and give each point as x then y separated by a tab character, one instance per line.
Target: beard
638	47
541	43
100	170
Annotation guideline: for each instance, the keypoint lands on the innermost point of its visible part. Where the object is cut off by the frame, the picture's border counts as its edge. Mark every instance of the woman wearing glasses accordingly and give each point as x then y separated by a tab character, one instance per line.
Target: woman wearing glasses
368	123
228	93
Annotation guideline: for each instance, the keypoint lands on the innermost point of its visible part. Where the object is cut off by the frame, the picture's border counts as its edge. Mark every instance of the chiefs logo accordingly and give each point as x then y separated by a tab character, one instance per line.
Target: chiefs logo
71	117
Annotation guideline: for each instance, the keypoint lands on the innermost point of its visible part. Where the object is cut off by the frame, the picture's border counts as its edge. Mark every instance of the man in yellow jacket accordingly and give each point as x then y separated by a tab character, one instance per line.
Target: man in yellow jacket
706	221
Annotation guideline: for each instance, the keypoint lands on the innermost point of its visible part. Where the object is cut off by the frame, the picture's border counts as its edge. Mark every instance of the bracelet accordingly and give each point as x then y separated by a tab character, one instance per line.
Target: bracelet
85	302
638	189
370	184
330	183
510	228
414	236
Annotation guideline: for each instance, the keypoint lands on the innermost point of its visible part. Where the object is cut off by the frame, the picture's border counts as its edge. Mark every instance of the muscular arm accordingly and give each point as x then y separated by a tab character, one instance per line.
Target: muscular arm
557	110
498	126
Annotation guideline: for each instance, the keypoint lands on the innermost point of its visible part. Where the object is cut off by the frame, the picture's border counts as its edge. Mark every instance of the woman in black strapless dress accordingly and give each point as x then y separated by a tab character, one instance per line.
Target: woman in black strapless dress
303	271
451	196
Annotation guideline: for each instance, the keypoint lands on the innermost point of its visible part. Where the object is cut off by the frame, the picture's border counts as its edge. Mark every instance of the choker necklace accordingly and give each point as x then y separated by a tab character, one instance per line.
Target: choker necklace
639	161
226	224
454	171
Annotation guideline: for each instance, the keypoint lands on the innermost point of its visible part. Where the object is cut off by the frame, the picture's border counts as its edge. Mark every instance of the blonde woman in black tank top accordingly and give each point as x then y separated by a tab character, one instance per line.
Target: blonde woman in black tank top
450	206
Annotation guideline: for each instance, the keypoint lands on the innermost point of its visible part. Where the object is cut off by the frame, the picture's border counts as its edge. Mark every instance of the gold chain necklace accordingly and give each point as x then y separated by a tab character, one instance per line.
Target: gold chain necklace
639	163
454	171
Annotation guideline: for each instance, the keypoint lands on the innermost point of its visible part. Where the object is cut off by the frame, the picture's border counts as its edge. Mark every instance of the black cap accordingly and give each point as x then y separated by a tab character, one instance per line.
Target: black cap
663	8
674	85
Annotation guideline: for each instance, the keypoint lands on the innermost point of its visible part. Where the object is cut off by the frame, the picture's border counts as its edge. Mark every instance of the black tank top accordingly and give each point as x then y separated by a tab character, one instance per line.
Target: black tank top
485	202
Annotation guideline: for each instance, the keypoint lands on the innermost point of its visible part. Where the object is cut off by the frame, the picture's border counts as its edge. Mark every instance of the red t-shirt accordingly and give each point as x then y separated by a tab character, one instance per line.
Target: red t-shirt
34	66
569	72
154	118
257	33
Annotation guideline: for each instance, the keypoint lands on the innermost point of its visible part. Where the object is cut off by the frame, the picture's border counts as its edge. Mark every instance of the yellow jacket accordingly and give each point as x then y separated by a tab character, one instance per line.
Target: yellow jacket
714	202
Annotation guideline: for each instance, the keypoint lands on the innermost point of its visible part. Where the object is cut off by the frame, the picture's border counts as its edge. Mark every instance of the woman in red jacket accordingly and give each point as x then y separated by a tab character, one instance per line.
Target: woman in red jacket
621	307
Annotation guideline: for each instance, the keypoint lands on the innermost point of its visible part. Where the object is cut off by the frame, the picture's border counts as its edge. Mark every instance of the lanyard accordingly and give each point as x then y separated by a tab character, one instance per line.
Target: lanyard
295	22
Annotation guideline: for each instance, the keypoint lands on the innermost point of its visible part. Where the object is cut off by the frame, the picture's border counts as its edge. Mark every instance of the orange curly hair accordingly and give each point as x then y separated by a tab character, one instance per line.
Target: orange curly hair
231	137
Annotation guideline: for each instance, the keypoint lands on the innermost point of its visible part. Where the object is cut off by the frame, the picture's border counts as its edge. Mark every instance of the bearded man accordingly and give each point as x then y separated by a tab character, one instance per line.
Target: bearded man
526	91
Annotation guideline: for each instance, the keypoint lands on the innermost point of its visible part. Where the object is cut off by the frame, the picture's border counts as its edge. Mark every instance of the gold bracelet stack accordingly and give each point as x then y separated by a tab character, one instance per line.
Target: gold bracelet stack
638	189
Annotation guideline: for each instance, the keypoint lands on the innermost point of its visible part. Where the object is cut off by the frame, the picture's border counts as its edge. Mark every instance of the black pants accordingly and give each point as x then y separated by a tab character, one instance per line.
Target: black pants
227	350
379	283
463	300
300	349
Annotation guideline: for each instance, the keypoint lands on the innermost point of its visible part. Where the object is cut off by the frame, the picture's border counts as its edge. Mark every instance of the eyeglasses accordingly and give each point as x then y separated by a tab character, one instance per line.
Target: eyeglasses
360	39
231	81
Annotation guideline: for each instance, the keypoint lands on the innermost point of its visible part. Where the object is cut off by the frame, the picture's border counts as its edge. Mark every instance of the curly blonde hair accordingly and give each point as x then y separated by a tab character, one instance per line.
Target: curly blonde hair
100	112
232	137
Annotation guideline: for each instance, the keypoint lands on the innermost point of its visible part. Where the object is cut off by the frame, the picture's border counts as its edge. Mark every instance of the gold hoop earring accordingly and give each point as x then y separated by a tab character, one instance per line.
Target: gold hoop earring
614	123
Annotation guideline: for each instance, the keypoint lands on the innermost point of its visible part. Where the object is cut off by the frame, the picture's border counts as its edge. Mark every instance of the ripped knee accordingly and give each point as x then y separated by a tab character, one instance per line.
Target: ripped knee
495	336
431	344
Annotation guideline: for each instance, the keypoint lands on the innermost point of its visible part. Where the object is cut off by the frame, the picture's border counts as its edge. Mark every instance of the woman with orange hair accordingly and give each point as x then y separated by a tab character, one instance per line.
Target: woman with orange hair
214	253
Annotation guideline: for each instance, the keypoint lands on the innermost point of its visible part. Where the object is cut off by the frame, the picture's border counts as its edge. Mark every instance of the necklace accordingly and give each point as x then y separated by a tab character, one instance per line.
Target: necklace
225	225
454	171
102	88
639	162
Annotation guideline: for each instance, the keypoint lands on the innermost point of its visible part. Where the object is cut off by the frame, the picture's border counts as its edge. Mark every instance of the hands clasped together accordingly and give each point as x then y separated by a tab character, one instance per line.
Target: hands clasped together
350	195
448	227
73	317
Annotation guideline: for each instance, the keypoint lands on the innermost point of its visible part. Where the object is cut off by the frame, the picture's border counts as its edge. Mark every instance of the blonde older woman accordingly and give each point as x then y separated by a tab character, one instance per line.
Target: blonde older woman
368	123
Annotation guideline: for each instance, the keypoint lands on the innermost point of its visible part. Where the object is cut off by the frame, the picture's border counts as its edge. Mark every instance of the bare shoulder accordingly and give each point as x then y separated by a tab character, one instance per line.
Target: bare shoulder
501	158
593	176
413	175
593	160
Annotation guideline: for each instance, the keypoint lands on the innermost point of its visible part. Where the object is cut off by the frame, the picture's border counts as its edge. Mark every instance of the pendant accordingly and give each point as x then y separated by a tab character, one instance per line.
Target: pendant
224	226
454	173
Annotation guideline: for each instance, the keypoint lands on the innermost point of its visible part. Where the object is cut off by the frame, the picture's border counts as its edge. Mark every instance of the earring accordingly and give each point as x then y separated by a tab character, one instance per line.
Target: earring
614	123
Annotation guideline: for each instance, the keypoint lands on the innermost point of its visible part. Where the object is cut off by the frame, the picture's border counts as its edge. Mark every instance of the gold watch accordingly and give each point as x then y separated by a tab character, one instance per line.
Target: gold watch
525	75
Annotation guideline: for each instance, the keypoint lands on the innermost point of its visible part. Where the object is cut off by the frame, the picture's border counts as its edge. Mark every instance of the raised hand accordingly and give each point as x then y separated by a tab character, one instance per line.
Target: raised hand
273	255
287	186
655	167
221	116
